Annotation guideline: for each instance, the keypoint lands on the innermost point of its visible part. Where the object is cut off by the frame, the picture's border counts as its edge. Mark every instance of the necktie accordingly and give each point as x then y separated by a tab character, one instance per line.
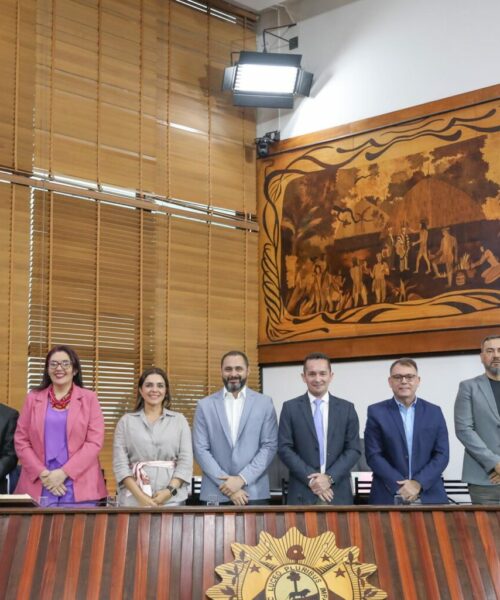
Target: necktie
318	424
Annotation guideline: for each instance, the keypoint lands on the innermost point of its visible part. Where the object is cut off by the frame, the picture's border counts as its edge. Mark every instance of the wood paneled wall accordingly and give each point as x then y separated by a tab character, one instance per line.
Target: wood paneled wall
449	553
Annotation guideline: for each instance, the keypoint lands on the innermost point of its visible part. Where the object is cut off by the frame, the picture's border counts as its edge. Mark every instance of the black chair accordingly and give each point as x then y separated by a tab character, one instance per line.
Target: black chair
455	487
362	488
194	496
284	490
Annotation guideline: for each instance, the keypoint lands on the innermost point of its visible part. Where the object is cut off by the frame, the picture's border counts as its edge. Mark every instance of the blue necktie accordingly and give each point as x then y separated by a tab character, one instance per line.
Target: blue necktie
318	424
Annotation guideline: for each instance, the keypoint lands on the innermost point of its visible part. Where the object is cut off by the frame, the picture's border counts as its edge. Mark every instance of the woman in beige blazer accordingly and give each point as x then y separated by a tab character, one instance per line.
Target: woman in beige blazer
152	452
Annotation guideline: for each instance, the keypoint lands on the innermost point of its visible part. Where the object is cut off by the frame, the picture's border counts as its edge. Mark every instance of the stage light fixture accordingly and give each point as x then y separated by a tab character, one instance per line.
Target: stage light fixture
268	79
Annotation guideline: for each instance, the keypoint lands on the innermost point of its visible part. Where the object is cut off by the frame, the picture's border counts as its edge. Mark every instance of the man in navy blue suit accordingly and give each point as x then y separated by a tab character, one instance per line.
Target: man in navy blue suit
406	442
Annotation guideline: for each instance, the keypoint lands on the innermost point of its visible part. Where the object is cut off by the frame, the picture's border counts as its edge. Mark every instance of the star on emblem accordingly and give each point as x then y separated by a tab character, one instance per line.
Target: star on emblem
340	573
325	558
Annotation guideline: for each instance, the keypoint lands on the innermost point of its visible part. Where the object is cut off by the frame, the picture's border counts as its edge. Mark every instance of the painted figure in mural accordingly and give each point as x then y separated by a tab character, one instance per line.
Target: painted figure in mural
388	248
316	299
477	423
302	291
336	298
492	273
403	248
423	237
379	272
447	255
406	443
318	439
358	287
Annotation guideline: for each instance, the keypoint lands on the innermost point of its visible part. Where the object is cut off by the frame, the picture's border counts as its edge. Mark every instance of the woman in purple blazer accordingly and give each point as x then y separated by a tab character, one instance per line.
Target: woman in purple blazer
59	435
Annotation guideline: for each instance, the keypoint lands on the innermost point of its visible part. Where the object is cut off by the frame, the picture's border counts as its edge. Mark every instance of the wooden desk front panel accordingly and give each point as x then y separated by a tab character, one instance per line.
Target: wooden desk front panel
421	554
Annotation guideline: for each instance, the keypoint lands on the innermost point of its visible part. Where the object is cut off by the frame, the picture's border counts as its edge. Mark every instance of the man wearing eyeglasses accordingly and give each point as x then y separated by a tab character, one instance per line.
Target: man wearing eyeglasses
406	443
477	425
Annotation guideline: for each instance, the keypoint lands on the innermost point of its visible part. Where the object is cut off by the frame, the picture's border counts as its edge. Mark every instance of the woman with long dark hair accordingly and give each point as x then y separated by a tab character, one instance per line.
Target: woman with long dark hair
152	452
59	435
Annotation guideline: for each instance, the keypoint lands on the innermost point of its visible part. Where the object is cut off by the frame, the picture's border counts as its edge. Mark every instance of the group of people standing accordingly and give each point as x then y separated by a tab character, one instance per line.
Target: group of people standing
236	435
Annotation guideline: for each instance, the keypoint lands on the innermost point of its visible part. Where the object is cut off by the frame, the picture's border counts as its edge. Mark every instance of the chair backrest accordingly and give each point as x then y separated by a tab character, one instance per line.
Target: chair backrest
456	487
194	495
284	491
362	486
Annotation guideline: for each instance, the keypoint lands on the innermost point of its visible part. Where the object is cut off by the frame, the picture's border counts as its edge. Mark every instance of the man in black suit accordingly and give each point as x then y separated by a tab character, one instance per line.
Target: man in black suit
8	458
318	439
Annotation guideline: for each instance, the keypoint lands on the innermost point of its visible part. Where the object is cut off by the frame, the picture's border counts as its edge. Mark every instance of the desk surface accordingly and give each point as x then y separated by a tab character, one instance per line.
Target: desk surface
421	553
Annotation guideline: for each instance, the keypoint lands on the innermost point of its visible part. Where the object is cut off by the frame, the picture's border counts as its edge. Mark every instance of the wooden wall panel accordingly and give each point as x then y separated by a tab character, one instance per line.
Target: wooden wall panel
159	554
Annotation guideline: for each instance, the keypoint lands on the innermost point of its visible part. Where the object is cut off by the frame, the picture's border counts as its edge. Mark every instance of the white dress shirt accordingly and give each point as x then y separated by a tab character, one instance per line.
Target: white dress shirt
234	410
324	414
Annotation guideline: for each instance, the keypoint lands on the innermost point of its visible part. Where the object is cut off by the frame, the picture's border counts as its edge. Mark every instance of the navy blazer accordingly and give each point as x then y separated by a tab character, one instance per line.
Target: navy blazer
386	451
8	458
298	448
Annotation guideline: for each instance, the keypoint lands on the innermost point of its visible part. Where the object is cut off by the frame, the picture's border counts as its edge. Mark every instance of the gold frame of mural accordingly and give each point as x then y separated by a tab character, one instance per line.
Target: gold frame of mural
381	237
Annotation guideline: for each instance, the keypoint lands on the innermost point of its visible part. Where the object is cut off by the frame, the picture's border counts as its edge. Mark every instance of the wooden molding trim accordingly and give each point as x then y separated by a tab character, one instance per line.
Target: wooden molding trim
377	346
397	117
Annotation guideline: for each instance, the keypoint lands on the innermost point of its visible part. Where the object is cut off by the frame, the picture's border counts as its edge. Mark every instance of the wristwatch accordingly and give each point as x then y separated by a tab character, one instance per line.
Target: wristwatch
172	490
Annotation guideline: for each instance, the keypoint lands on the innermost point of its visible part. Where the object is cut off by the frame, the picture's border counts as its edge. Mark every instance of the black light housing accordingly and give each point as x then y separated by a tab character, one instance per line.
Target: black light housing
267	80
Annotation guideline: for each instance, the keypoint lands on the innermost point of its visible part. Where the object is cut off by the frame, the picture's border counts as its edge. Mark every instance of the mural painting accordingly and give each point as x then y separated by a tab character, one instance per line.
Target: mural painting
393	231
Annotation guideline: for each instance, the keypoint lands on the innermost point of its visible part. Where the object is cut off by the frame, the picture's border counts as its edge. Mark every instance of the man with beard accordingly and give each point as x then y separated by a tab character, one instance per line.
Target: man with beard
235	437
477	425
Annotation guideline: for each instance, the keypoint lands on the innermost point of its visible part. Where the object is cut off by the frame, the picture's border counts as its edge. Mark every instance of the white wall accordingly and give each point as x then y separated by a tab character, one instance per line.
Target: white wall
365	382
371	57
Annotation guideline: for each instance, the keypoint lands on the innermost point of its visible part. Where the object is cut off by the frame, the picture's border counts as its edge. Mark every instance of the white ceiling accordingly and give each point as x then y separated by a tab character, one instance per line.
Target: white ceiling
255	5
297	10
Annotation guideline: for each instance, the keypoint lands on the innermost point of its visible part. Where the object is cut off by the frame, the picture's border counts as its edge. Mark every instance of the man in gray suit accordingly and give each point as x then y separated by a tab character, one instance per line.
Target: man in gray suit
319	439
477	425
235	436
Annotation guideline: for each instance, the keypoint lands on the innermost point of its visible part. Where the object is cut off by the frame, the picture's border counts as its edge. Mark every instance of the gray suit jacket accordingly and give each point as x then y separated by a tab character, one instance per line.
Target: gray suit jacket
250	456
477	426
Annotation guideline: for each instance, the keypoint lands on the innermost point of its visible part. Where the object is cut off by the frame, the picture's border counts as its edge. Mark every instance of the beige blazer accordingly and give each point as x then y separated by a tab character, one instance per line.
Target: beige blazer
137	440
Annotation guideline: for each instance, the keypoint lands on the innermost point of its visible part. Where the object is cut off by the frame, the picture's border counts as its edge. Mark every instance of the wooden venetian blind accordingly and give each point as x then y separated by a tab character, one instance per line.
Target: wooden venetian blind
92	288
128	94
150	258
14	272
